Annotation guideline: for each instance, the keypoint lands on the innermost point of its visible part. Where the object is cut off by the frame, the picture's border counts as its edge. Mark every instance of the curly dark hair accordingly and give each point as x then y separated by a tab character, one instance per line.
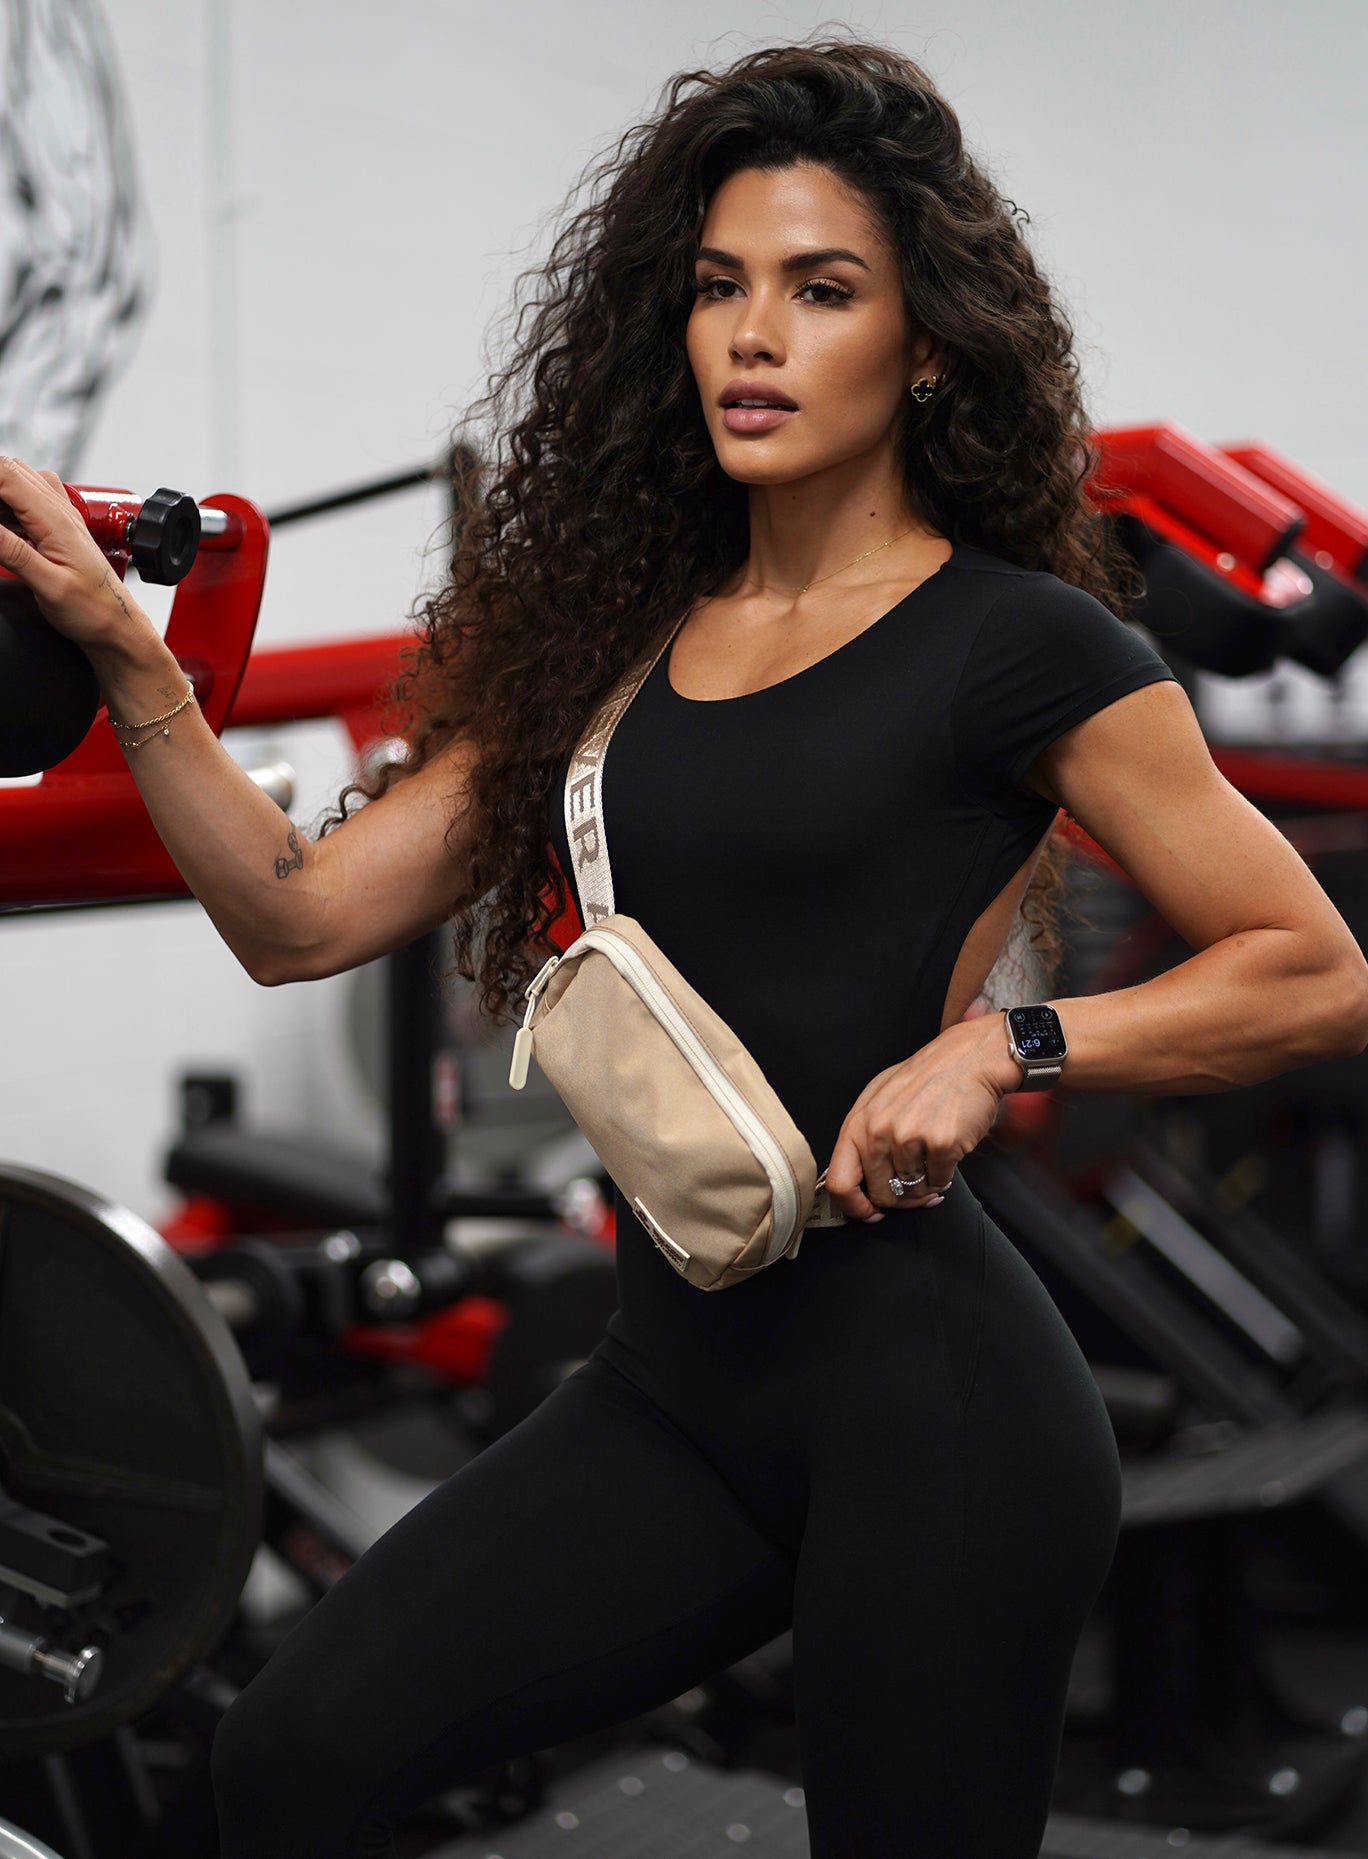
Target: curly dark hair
603	515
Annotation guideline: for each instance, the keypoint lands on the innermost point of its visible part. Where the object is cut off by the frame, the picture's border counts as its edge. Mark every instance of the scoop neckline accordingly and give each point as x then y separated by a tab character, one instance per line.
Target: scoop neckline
741	697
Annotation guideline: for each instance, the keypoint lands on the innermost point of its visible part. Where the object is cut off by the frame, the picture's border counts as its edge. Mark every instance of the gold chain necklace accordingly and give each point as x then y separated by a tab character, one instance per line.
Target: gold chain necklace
841	570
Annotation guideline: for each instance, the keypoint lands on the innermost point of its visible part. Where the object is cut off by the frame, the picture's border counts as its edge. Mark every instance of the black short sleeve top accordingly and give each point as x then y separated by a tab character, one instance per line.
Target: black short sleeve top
812	856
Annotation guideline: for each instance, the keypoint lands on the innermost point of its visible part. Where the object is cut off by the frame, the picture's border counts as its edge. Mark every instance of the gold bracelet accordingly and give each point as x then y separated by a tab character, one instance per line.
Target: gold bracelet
154	724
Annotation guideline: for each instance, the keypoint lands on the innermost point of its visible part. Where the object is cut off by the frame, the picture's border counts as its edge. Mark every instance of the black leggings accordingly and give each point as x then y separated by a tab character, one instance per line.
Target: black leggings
891	1443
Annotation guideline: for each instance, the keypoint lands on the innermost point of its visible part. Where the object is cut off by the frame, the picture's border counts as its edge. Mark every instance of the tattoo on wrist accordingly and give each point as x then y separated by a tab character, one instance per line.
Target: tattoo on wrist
284	866
112	580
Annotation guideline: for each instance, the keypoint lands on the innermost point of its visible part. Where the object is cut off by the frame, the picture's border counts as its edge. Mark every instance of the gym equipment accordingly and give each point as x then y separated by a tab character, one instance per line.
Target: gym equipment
81	834
17	1845
1333	526
1208	533
48	694
1274	1411
501	1320
49	684
158	537
559	1291
518	1315
530	1169
130	1467
1200	1731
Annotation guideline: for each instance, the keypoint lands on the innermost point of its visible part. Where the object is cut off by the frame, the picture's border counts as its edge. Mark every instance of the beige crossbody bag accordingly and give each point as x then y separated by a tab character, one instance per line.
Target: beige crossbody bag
675	1107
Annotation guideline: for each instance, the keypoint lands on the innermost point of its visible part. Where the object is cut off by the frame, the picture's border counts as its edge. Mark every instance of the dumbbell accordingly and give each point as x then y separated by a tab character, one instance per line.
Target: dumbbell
48	691
270	1294
22	1650
559	1290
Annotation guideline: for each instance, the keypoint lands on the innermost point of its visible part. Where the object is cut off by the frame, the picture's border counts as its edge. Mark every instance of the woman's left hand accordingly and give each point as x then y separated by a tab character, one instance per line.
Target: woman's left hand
927	1114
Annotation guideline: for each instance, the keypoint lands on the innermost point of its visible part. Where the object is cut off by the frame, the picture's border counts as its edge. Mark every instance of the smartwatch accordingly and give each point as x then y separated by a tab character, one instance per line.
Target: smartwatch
1036	1041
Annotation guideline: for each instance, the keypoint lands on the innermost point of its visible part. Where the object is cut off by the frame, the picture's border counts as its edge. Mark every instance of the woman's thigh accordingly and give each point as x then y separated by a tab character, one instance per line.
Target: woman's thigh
588	1565
954	1546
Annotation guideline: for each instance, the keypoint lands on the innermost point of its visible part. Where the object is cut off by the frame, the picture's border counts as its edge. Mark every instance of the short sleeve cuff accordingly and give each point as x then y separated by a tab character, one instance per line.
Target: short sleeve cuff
1085	705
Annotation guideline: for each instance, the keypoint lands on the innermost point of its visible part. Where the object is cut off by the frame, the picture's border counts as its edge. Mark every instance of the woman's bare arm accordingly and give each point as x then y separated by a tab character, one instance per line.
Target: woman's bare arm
289	909
1278	979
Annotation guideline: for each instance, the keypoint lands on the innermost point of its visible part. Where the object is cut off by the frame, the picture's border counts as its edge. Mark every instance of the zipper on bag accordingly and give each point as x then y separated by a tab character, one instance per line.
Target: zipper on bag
522	1041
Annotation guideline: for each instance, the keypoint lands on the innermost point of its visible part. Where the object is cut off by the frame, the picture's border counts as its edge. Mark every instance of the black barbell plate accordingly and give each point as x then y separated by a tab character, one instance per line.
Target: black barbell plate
126	1411
16	1844
48	690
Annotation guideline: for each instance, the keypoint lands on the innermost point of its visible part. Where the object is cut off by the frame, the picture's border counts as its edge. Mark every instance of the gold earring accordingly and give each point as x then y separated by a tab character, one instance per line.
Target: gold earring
928	381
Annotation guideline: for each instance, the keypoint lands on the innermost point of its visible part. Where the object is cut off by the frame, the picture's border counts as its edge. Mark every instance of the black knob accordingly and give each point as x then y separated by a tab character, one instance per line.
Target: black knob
165	537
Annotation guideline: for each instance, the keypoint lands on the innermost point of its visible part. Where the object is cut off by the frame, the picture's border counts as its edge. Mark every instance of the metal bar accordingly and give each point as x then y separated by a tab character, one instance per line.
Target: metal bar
284	684
1203	1266
358	493
278	780
1031	1206
417	1137
1333	1326
416	1147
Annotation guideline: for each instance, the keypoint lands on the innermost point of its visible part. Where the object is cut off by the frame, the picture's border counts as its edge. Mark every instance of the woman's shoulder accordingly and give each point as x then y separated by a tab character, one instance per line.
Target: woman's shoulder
1011	584
968	555
1014	600
1042	655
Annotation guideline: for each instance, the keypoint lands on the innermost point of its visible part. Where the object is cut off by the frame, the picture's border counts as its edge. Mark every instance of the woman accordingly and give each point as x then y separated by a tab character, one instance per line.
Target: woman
827	803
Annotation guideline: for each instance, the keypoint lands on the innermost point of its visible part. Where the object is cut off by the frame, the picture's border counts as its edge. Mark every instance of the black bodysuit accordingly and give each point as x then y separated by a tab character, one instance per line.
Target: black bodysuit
891	1443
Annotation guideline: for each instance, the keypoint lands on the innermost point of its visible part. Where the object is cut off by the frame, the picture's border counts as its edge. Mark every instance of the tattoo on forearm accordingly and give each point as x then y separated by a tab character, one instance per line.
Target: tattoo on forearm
284	866
112	581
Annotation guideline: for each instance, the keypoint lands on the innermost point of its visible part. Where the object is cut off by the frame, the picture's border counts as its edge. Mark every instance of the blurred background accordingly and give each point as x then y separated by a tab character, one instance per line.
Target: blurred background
263	250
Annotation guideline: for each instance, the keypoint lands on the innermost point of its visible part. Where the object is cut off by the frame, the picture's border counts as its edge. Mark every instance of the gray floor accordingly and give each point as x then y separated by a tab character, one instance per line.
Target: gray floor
1330	1670
653	1802
657	1804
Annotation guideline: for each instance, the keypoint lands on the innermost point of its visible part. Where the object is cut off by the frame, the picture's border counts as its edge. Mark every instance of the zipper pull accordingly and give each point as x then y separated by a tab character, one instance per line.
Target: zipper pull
522	1041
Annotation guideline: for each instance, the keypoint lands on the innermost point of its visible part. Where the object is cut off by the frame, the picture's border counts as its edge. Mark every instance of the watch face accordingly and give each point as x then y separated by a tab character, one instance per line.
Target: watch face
1037	1033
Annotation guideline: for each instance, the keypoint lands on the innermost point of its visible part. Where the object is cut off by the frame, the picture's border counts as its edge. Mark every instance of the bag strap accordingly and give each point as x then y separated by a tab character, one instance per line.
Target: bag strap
584	829
585	835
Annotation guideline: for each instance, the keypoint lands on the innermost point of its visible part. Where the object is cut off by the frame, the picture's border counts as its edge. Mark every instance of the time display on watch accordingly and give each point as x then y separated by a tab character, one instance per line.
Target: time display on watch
1036	1034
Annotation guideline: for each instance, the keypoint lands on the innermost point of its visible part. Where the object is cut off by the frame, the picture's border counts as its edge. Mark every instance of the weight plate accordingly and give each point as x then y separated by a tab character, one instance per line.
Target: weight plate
15	1844
126	1412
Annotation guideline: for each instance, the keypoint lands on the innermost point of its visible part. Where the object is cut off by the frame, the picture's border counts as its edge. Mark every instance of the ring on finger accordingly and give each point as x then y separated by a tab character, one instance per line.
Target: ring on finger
904	1184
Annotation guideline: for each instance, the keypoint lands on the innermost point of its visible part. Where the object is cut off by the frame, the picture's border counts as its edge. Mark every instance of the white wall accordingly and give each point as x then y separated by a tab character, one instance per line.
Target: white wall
339	193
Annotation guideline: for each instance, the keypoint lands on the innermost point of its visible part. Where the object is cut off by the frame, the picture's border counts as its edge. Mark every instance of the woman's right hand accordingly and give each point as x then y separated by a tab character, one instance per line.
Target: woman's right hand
46	544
